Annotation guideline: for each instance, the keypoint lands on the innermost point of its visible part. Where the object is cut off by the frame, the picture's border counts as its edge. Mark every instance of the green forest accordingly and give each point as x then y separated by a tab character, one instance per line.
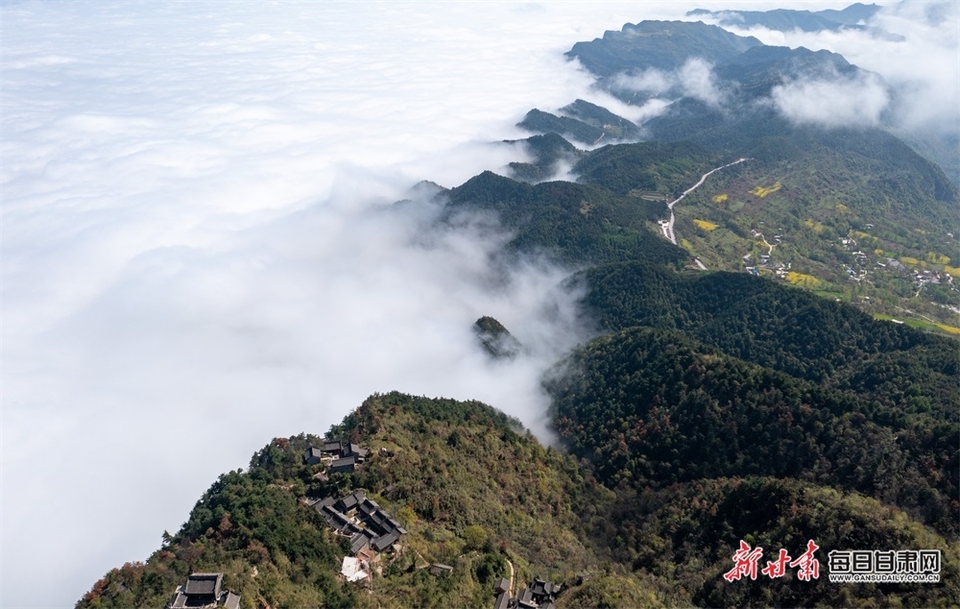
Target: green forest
478	493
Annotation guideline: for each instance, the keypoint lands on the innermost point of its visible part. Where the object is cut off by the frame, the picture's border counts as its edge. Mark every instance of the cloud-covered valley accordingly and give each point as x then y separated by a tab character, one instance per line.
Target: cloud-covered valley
913	45
857	101
695	78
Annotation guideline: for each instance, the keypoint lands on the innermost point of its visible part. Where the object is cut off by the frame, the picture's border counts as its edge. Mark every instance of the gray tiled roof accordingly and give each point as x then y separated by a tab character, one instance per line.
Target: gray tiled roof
203	584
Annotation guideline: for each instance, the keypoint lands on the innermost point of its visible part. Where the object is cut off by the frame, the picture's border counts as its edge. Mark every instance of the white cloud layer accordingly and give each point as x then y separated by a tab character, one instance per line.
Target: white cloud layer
697	79
835	102
694	79
923	67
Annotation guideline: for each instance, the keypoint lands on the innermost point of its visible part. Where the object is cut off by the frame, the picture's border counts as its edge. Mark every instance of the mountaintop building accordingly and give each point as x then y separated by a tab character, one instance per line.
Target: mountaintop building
204	591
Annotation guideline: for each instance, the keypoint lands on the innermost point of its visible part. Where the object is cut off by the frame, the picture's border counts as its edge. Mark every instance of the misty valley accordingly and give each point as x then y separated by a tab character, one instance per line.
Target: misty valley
761	355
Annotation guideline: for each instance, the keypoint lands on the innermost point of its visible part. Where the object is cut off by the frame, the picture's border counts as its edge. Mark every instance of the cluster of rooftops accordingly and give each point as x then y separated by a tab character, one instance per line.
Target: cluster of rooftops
540	595
363	520
342	457
371	529
360	518
204	591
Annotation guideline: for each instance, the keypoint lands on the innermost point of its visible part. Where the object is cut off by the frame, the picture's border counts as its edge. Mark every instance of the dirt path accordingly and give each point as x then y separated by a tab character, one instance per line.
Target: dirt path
769	246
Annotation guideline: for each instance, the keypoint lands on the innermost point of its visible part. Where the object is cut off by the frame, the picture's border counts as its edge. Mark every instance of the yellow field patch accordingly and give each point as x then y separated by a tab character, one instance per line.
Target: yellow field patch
949	329
856	234
803	280
843	209
720	198
761	192
879	252
919	324
952	270
907	260
707	226
937	258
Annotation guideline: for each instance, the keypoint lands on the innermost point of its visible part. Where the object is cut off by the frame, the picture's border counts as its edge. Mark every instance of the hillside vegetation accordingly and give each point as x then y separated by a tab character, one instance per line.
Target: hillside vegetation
472	487
478	494
651	409
851	212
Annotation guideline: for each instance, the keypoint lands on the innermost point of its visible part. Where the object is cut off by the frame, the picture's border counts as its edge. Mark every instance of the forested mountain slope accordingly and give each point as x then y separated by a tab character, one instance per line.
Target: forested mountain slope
479	495
783	328
651	408
574	223
471	487
688	533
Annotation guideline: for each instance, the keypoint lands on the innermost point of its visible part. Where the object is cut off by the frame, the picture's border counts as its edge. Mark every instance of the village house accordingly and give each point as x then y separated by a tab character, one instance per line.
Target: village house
540	595
204	591
344	465
341	456
312	456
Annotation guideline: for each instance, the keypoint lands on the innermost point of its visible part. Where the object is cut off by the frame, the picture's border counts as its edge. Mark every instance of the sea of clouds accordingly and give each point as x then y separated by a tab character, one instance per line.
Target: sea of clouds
200	251
918	60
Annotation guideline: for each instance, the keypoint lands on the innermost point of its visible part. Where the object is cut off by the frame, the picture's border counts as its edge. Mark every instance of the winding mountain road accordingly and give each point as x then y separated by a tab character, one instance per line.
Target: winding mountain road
667	227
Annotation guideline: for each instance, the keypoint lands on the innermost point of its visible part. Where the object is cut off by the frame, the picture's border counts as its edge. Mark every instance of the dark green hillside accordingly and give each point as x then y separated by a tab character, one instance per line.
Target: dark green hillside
666	169
762	67
538	121
689	533
547	151
615	127
662	45
787	329
576	222
650	409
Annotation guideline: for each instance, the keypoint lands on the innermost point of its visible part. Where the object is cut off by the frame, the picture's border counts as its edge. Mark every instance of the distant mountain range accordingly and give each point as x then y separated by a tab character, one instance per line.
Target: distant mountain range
856	213
854	16
744	69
